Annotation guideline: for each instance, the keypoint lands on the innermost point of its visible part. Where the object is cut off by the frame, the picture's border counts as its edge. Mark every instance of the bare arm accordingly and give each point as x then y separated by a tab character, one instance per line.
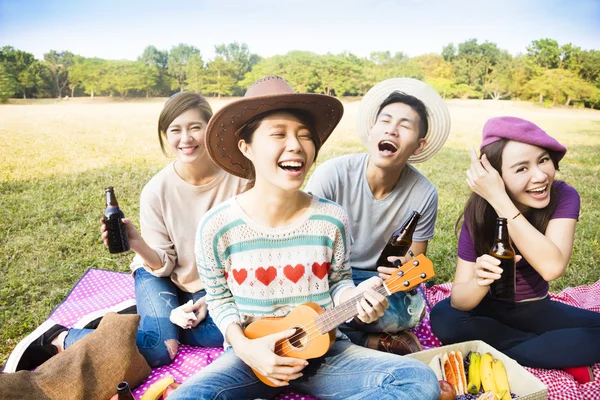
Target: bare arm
472	281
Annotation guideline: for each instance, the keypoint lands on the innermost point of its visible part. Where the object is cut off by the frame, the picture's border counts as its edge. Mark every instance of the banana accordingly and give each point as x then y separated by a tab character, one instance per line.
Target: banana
501	379
474	373
487	374
155	391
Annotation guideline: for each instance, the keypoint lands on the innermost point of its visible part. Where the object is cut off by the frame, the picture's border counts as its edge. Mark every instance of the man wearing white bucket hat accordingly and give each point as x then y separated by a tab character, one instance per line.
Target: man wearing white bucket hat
401	121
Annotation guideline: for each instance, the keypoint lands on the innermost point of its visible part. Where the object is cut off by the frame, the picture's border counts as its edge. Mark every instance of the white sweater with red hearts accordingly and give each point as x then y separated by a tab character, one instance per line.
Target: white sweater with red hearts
251	271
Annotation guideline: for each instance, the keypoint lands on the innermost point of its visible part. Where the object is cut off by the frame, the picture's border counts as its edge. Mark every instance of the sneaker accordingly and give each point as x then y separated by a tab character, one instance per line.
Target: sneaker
581	374
92	320
35	349
400	343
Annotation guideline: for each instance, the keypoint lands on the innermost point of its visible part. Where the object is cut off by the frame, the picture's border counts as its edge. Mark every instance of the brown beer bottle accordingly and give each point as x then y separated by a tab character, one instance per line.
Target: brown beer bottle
503	288
400	241
124	392
118	241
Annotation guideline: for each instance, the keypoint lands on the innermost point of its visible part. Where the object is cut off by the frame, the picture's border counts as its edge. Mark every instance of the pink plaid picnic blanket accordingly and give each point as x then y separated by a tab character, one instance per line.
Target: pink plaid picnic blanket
99	290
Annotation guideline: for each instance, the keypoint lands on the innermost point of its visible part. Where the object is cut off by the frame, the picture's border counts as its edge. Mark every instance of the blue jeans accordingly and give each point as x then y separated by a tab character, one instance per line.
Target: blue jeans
346	372
405	312
540	334
155	298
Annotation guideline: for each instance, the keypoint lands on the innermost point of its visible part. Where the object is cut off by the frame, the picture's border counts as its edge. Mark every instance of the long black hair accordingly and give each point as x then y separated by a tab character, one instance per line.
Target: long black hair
480	216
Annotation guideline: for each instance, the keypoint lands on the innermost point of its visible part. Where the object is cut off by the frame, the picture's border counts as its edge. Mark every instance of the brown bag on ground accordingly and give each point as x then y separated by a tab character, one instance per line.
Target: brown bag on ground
90	369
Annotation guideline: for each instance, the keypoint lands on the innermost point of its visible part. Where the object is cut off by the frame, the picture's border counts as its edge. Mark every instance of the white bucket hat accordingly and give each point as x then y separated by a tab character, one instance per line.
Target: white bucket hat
439	117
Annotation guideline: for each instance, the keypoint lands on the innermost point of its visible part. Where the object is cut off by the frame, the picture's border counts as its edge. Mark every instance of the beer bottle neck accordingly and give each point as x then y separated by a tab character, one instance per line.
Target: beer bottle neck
111	199
501	232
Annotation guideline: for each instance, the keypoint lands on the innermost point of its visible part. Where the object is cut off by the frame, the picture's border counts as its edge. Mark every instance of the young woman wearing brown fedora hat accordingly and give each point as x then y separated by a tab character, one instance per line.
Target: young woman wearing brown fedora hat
274	247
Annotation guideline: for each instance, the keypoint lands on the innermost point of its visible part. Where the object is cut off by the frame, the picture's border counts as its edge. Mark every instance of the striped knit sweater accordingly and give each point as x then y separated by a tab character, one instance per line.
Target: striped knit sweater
251	271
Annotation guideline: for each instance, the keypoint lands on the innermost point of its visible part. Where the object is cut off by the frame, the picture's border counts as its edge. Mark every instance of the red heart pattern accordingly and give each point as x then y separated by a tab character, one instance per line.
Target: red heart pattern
266	276
240	275
294	273
320	270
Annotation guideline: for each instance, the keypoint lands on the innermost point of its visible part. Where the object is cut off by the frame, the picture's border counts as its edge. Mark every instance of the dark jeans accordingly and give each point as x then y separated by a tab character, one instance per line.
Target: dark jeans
540	334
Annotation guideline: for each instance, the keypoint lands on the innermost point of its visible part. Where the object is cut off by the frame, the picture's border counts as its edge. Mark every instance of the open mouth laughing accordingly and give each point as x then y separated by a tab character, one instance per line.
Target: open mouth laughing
539	192
387	148
291	167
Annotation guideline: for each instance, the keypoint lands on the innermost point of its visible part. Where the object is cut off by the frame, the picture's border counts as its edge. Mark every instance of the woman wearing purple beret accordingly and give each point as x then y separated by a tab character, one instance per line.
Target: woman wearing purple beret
514	179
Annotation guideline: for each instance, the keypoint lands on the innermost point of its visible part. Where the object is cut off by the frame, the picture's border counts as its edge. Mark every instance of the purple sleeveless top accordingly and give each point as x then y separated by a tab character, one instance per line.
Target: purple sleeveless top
530	284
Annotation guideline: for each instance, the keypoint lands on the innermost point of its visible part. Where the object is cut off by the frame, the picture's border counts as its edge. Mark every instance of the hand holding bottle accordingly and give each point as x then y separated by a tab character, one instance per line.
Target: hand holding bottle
132	233
487	269
386	272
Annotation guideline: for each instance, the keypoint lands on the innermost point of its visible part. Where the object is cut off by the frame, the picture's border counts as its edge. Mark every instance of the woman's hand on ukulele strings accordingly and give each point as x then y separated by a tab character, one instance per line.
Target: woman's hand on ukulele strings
260	355
372	306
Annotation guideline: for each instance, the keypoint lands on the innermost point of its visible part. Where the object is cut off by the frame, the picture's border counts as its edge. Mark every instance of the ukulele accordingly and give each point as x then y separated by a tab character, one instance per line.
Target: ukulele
315	327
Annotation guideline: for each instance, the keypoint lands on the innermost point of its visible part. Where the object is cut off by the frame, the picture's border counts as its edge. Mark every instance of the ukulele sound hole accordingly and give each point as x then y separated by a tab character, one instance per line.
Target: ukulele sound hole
299	339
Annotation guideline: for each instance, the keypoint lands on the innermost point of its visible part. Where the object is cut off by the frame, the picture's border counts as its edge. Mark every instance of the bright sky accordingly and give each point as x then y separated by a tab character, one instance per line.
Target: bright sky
121	29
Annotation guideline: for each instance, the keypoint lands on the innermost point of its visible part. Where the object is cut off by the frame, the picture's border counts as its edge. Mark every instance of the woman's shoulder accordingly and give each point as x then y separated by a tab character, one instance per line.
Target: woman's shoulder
157	183
218	216
564	189
326	207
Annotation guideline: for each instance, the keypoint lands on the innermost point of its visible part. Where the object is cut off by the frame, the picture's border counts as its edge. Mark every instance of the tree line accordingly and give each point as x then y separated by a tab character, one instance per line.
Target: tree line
547	72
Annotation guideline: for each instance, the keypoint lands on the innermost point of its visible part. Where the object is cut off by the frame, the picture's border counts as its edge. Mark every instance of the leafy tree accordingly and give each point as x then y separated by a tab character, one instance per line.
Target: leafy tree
35	79
157	60
445	87
560	84
59	63
545	53
178	58
16	63
7	84
296	67
220	77
434	66
196	74
88	74
590	66
449	52
571	57
240	60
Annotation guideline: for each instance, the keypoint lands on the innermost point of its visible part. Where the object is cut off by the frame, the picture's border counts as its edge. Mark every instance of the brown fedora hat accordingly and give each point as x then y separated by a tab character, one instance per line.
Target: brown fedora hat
267	94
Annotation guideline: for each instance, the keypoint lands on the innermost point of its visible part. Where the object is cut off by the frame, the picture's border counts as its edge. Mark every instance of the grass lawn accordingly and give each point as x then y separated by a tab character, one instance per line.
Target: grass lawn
58	157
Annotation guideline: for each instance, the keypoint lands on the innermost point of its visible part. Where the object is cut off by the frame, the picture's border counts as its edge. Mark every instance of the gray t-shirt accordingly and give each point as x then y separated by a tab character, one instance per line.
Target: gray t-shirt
344	181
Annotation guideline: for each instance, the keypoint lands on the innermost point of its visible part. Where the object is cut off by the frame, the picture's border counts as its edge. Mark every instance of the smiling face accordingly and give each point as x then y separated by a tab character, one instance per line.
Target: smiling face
528	173
394	136
185	136
281	149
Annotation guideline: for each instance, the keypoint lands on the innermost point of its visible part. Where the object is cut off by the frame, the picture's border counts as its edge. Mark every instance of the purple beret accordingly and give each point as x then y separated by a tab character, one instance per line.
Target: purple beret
519	130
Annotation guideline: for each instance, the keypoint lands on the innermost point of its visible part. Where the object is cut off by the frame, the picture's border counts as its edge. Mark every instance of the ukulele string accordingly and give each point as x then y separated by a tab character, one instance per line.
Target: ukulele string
310	327
313	323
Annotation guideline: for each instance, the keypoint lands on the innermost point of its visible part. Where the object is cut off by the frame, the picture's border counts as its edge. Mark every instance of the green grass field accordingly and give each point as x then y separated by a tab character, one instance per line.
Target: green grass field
58	157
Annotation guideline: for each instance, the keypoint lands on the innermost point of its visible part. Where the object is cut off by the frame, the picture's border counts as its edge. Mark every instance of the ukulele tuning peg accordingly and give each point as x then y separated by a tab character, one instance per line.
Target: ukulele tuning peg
415	263
423	275
411	254
400	273
406	283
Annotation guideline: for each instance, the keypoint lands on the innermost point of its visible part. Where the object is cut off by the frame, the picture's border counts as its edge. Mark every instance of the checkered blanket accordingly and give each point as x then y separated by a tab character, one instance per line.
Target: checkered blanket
99	290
